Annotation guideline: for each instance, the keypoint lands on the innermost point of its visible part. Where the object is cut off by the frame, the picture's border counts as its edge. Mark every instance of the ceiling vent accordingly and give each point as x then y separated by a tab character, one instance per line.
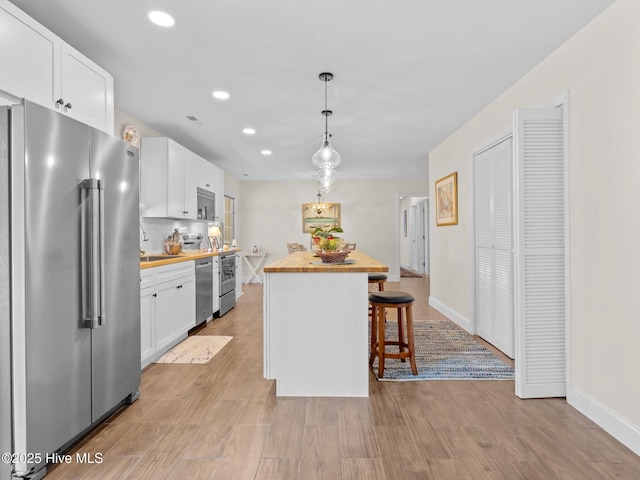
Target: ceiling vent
193	119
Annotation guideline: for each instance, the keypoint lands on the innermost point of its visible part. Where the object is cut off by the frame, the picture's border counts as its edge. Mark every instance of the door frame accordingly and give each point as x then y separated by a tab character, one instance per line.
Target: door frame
421	235
424	197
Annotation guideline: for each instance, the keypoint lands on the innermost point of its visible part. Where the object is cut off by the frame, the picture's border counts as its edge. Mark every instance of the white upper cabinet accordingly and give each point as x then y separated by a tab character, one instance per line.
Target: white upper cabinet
86	90
207	175
28	57
168	179
39	66
211	178
219	190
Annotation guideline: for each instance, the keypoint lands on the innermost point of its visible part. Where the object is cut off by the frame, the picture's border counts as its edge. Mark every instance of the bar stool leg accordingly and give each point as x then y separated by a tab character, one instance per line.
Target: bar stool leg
381	341
400	334
412	358
374	335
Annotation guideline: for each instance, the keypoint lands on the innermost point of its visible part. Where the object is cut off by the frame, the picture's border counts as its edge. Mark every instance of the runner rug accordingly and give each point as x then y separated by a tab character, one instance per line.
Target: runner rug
406	273
195	349
444	351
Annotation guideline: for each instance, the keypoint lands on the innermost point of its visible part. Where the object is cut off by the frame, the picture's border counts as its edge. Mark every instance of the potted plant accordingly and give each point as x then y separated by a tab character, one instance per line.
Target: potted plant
329	246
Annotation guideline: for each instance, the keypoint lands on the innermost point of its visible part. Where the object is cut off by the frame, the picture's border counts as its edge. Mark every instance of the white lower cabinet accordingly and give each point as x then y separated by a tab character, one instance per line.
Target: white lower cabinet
167	307
147	324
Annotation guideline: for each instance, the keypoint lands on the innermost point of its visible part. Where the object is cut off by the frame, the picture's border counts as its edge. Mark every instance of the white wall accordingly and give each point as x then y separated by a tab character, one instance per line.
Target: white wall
122	119
270	215
600	68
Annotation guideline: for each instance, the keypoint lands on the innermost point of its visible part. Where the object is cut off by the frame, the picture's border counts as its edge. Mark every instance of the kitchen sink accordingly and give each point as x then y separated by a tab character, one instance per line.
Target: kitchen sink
153	258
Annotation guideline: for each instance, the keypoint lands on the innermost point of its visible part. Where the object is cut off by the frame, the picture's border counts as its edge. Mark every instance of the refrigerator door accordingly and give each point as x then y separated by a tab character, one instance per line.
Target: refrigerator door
116	340
5	301
52	350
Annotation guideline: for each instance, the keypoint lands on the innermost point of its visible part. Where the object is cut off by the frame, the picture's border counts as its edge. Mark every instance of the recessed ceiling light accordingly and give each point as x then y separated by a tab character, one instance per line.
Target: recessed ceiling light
220	95
248	131
266	152
162	19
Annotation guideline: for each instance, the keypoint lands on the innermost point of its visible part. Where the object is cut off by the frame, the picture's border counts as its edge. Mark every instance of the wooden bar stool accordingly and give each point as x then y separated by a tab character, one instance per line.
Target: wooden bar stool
379	302
378	278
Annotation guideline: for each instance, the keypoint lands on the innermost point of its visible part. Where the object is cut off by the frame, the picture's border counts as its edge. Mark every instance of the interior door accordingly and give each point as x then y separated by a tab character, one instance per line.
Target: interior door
494	251
540	253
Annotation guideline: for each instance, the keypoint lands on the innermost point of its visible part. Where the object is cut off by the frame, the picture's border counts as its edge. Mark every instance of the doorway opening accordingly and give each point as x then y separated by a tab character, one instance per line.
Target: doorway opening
413	232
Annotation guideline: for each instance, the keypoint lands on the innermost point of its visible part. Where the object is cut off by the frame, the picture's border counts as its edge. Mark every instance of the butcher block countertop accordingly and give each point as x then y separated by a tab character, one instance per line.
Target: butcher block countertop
163	259
306	262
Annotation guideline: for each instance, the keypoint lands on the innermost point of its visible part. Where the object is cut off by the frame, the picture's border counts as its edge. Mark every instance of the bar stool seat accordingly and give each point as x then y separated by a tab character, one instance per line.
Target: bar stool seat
379	302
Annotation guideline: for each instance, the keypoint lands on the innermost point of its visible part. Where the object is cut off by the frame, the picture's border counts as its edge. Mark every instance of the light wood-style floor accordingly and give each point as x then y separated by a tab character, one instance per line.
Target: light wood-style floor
223	421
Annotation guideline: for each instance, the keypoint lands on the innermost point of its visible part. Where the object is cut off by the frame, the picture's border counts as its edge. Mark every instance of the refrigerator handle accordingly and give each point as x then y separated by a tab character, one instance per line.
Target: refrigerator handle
101	255
90	264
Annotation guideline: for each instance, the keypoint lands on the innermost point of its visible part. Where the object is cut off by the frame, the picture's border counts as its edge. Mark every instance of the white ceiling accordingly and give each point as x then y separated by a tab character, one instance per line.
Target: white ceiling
407	72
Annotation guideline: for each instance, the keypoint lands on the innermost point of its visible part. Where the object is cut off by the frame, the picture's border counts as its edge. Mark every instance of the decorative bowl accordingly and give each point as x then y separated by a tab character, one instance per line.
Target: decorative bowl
173	248
333	256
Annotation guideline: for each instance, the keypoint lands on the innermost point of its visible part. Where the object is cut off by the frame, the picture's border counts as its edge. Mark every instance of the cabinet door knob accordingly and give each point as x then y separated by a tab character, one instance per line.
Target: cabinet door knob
60	101
154	295
185	211
68	106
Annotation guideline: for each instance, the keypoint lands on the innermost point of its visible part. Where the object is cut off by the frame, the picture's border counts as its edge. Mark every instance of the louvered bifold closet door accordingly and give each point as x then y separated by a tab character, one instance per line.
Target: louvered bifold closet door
503	322
484	243
540	253
494	272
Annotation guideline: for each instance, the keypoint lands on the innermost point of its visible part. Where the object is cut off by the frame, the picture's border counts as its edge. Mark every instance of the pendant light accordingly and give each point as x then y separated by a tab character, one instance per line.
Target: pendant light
326	156
318	206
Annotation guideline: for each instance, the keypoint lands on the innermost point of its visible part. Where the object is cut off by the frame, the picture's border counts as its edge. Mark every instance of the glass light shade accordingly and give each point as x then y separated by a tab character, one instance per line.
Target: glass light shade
326	156
326	175
214	231
326	187
326	180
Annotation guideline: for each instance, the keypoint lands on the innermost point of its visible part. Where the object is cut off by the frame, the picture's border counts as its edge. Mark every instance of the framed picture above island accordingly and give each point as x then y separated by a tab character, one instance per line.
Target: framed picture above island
323	215
447	200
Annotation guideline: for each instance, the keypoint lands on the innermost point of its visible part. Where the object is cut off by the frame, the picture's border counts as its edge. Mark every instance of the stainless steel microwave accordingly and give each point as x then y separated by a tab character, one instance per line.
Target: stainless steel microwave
206	205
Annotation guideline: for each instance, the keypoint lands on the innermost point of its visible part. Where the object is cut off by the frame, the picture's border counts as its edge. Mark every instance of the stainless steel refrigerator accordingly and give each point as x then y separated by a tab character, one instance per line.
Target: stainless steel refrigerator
69	280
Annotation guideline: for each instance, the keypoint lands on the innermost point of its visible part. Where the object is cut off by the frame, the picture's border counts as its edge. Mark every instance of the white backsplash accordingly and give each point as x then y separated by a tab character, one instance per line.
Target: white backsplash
158	229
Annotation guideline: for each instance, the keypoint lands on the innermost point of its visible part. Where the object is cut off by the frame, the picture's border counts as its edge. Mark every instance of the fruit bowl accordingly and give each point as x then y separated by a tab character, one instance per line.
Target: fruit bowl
333	256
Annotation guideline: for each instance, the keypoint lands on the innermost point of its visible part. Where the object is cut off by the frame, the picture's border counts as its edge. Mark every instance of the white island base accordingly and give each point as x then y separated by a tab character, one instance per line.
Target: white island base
316	333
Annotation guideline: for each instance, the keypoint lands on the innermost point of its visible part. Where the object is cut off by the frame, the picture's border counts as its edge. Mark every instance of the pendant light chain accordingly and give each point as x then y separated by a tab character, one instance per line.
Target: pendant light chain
326	113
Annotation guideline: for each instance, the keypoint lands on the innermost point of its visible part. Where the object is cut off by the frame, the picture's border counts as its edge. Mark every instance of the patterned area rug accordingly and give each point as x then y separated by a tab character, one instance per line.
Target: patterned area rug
195	349
444	351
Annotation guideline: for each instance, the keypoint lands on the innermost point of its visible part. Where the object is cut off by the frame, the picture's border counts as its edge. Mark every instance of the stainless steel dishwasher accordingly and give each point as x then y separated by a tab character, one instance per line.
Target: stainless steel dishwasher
204	290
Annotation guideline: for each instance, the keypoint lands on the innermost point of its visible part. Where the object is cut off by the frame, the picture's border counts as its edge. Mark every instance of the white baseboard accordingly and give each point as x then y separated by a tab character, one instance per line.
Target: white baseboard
451	314
612	423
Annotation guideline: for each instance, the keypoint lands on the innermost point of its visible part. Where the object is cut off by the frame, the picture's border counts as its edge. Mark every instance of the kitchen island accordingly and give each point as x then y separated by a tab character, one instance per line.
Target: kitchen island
316	325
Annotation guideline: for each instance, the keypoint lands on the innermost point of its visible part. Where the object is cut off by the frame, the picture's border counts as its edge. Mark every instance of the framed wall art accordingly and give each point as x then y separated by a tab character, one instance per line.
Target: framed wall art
447	200
324	215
